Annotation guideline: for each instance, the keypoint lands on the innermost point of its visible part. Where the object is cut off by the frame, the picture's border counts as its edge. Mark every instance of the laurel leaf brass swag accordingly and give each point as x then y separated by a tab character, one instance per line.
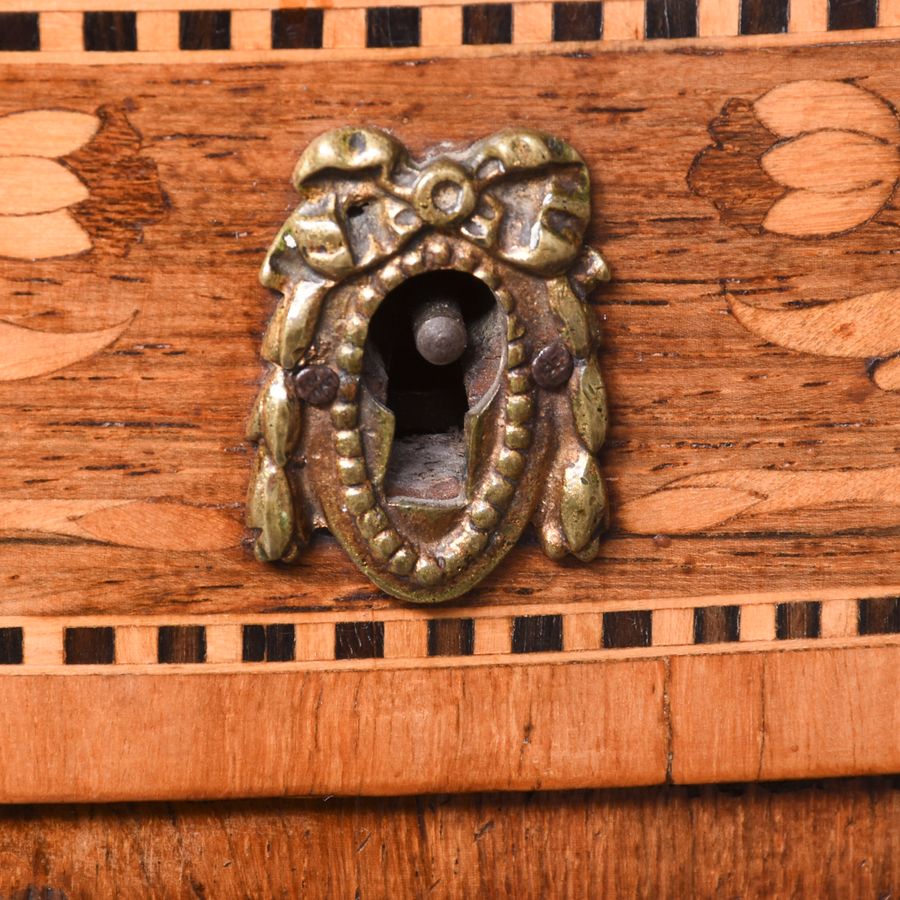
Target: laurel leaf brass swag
491	238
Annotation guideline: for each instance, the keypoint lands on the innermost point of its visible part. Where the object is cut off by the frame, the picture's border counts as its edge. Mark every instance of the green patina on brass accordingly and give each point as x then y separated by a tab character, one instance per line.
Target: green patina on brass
510	210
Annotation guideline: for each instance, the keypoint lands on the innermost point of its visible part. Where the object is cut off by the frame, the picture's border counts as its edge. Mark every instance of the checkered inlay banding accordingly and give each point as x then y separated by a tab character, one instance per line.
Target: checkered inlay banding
578	628
248	25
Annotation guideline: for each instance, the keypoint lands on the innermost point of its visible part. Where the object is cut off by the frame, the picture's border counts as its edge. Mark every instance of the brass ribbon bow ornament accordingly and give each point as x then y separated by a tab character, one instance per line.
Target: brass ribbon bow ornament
518	196
364	200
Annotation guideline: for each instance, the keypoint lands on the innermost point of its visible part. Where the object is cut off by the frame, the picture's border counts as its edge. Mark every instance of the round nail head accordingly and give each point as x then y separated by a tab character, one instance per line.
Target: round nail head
317	384
552	367
441	339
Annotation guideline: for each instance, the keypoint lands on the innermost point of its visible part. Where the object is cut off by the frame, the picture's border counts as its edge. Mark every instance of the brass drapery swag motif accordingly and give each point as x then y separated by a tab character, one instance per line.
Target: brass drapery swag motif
510	211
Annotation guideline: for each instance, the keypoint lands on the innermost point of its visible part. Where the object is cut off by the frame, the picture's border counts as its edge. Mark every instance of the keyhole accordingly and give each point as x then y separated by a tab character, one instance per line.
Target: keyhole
430	401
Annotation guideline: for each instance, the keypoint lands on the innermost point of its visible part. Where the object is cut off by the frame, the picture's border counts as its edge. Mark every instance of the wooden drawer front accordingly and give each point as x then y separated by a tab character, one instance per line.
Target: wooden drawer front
741	621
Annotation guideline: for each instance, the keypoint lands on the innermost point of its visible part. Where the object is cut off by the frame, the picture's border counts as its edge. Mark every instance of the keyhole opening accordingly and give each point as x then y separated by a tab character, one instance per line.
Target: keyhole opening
429	401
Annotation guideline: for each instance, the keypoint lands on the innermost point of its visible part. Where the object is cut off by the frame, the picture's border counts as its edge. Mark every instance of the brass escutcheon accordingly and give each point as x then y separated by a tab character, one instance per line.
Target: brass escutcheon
433	383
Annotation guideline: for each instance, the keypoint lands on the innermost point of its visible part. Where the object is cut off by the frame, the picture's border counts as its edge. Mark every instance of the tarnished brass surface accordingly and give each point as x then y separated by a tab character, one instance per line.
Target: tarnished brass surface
511	211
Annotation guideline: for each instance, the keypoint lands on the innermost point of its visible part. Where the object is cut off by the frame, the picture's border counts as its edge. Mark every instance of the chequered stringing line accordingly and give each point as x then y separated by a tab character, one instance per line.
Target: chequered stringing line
366	639
411	26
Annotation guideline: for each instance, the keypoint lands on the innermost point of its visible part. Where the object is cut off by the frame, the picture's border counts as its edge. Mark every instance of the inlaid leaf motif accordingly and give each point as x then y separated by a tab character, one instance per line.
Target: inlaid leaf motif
163	526
831	162
36	190
703	502
63	176
25	353
684	509
144	524
863	326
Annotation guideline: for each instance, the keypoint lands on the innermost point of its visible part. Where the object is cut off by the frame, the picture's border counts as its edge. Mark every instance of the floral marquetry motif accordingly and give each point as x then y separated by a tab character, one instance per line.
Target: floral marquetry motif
807	159
428	473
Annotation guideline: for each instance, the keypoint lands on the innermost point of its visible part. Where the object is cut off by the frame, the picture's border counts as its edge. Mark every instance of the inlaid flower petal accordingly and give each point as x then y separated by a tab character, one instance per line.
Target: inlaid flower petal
42	236
811	213
45	132
867	325
29	184
833	161
800	106
25	353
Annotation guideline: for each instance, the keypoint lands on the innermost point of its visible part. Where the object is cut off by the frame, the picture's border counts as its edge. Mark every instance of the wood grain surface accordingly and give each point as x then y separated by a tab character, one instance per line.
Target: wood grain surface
828	840
767	465
832	839
372	727
747	591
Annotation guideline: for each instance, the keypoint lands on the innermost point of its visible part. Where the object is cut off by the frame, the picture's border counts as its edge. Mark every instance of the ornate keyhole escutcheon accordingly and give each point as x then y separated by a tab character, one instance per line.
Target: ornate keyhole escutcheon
433	383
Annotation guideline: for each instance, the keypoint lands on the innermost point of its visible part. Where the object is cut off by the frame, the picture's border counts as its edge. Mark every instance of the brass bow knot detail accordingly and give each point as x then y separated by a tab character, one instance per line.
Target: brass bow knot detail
364	198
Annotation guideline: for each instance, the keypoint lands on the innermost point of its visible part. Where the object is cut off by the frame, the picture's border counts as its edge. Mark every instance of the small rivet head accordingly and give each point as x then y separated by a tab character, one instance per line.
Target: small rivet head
317	384
552	367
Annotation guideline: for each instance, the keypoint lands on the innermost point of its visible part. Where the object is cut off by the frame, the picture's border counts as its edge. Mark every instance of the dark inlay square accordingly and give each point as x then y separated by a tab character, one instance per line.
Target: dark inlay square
537	634
253	639
295	29
268	643
89	646
630	628
280	641
671	18
487	23
19	31
181	644
110	31
393	26
359	640
577	21
847	14
879	615
798	620
10	646
204	30
717	624
451	637
764	16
